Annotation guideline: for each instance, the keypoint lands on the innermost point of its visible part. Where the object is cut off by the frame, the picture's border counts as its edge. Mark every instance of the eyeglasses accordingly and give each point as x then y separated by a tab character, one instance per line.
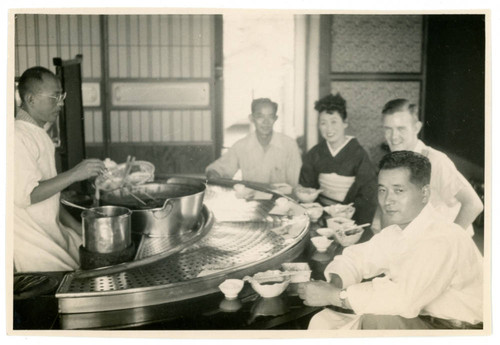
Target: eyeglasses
58	99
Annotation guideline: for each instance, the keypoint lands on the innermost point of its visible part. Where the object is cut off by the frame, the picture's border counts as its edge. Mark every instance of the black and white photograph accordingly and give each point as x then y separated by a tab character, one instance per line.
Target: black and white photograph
248	172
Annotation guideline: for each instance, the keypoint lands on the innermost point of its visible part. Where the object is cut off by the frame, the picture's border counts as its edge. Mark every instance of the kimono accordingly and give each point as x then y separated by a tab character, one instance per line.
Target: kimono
346	177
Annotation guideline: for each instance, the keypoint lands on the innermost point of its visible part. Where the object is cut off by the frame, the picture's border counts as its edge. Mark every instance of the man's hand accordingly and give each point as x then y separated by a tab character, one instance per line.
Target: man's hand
87	169
319	293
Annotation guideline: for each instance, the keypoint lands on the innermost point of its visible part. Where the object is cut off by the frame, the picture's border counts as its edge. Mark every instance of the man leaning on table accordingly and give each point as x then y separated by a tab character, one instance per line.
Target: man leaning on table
264	155
452	195
419	272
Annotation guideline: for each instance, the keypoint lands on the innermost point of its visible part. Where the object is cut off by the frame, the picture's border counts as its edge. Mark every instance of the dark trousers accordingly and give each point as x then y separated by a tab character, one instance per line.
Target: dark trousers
370	321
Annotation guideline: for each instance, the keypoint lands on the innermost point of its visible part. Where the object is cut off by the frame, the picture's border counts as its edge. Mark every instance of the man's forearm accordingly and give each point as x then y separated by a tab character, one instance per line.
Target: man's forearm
471	206
50	187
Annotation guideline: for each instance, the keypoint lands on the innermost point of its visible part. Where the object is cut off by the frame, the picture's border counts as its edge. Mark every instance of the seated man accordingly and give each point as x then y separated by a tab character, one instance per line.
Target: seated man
452	195
262	156
426	274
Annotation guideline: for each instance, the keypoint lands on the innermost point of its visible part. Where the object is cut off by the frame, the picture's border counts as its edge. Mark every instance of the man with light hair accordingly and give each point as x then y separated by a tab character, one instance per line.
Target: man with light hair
452	194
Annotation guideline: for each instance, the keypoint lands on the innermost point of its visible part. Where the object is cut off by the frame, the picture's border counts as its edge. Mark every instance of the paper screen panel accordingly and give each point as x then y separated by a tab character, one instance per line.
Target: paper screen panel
371	44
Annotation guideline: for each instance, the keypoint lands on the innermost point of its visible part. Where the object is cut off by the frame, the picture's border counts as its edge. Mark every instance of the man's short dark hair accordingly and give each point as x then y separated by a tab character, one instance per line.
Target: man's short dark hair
331	104
418	165
256	103
30	79
400	105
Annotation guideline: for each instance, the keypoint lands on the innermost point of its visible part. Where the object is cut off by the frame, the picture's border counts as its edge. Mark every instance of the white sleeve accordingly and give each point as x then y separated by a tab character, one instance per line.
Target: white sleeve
360	261
227	165
447	179
26	172
423	274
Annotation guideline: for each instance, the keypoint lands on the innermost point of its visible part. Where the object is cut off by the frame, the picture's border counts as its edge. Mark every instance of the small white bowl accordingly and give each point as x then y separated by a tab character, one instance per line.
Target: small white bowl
314	213
338	223
231	288
347	240
321	243
326	232
269	284
306	195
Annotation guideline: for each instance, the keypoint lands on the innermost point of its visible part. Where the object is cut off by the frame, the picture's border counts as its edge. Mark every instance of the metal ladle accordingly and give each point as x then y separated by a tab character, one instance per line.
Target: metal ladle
69	203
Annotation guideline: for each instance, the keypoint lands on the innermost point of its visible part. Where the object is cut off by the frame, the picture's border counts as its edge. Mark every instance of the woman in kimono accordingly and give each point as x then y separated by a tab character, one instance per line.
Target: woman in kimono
338	164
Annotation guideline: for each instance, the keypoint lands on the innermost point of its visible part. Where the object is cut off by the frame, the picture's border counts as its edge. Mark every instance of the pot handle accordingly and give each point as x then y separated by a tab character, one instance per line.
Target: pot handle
165	210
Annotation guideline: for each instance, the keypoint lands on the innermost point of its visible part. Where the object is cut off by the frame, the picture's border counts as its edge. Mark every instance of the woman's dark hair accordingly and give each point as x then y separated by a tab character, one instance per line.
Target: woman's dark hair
331	104
30	79
418	165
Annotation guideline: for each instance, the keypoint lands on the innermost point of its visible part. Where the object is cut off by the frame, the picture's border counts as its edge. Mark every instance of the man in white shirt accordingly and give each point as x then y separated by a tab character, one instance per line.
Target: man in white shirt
46	236
262	156
452	194
417	273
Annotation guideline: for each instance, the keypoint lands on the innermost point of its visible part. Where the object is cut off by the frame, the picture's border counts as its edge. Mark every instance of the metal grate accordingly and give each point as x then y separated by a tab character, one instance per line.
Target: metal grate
226	248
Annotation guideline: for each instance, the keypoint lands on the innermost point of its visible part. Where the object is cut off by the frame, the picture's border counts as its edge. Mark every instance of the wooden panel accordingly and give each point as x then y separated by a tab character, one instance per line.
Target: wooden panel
93	126
89	126
40	38
383	43
91	94
167	94
98	127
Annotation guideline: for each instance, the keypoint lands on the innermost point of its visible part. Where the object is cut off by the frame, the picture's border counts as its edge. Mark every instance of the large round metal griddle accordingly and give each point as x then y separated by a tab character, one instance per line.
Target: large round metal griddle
235	237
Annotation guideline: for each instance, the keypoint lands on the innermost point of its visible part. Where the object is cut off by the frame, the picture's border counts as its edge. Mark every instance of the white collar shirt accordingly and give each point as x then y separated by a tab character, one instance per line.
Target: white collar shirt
429	268
279	162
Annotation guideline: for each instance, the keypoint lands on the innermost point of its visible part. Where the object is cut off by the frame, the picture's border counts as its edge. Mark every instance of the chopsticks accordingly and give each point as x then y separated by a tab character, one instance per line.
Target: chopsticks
128	167
355	228
135	196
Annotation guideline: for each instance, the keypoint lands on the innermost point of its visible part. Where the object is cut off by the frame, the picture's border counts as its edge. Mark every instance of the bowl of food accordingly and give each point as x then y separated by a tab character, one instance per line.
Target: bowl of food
321	243
116	175
347	236
314	213
340	210
270	283
231	288
305	194
335	223
326	232
299	271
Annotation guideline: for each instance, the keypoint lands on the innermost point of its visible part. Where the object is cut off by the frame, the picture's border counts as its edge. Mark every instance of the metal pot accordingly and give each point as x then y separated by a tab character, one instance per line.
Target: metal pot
106	229
173	206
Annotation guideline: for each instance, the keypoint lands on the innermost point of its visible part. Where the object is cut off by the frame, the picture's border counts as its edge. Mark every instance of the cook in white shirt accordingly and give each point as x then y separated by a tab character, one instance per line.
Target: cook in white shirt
426	274
46	236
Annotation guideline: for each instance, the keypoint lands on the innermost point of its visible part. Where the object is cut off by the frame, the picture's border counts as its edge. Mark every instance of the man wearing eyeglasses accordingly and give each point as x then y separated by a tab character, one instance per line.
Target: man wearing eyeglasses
263	156
46	236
